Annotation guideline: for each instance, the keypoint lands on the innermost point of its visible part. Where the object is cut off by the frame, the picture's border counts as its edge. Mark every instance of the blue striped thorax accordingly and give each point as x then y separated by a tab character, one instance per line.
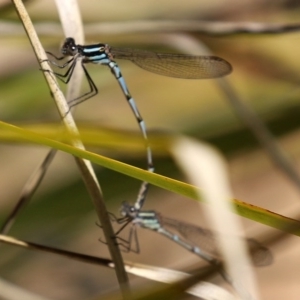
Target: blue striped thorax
92	53
148	219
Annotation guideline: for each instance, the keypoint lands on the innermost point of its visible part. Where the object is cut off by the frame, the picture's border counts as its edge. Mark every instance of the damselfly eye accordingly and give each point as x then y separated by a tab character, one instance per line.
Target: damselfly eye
101	49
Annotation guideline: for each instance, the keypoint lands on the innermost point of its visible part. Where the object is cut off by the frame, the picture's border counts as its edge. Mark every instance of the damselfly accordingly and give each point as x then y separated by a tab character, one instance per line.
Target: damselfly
198	240
195	239
172	65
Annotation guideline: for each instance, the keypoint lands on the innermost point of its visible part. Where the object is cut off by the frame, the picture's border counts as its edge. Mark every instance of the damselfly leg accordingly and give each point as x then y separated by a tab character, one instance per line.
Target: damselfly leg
130	244
66	77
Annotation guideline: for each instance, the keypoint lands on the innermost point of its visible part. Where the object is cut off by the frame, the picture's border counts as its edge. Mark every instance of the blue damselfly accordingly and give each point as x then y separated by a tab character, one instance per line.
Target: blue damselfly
195	239
172	65
198	240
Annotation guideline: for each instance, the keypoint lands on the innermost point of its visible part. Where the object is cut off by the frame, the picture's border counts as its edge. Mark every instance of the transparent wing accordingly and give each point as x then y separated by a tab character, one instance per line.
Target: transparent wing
175	65
204	239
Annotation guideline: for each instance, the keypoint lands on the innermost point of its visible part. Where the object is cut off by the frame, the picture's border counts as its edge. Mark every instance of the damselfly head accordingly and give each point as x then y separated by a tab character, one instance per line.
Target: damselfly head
128	210
69	48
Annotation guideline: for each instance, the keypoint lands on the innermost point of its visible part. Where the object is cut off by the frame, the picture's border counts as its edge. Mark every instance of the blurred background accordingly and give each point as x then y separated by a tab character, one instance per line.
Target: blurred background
265	76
